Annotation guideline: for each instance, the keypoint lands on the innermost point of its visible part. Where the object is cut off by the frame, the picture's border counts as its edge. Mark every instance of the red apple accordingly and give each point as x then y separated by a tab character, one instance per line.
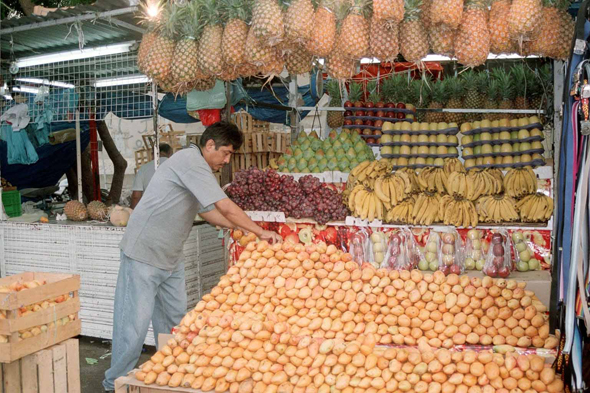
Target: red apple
357	130
369	105
390	105
380	104
391	115
400	105
401	115
378	123
504	272
371	140
369	113
358	122
359	104
348	104
367	131
455	269
380	114
497	238
377	132
369	123
347	122
347	113
359	113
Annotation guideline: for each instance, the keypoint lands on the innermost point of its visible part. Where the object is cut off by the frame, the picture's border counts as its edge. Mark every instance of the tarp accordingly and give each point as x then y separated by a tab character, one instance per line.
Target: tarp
54	161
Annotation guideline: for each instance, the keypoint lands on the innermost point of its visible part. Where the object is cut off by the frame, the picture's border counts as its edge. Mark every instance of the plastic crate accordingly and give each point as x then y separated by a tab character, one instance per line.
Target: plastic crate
12	203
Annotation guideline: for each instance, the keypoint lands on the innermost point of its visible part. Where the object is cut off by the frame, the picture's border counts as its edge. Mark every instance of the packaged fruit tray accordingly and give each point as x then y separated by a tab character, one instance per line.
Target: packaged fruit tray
419	156
416	166
537	138
493	130
352	126
513	154
447	131
400	110
533	163
451	144
375	118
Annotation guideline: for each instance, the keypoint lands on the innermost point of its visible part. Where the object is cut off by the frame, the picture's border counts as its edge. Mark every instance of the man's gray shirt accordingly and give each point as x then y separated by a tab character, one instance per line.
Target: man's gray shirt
182	187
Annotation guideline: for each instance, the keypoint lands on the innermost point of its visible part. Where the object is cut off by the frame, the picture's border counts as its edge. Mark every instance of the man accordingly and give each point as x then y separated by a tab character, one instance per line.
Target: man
151	282
145	173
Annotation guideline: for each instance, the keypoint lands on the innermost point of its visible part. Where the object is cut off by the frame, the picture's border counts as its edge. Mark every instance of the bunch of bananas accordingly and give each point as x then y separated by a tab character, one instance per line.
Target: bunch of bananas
535	208
392	189
364	203
484	182
457	211
415	186
366	172
453	165
456	184
520	182
496	208
433	179
426	209
402	213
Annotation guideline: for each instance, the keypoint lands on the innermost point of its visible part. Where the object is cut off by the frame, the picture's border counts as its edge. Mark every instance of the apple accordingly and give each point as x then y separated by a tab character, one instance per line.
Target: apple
423	265
359	104
504	272
347	113
414	138
476	244
507	160
498	250
380	114
369	123
534	264
536	145
448	259
504	136
496	149
359	113
358	122
402	161
448	238
469	264
452	139
441	138
371	140
412	161
486	149
347	122
520	246
456	269
397	138
476	137
505	148
348	104
479	264
377	132
414	150
523	134
469	163
378	123
497	238
431	246
525	255
406	138
432	138
432	150
486	136
524	146
369	105
526	158
477	150
452	150
423	138
473	234
467	152
442	150
405	150
466	139
479	161
433	266
421	161
380	104
430	257
536	132
522	266
495	136
437	161
367	131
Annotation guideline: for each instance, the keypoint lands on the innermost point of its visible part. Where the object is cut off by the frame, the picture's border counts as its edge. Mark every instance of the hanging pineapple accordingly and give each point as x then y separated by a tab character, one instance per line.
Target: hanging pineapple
235	32
548	42
425	13
299	21
297	59
353	39
446	12
388	10
566	31
455	86
441	40
256	53
438	96
158	62
524	20
323	31
413	36
340	67
275	66
500	41
148	38
267	22
185	65
472	42
210	52
384	41
335	119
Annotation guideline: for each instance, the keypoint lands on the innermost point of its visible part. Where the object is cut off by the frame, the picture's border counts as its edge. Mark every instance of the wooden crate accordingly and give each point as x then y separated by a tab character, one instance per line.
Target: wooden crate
51	370
142	156
56	285
247	124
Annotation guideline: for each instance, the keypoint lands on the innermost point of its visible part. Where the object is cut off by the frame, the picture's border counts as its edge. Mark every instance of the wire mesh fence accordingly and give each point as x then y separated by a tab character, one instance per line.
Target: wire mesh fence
95	86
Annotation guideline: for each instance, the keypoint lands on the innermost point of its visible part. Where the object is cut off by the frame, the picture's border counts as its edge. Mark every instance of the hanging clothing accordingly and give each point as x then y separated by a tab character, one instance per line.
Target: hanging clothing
41	129
20	150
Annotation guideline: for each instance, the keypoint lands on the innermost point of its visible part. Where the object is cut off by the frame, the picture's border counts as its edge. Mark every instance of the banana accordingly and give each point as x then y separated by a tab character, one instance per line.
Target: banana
379	210
359	168
365	209
379	190
359	201
372	206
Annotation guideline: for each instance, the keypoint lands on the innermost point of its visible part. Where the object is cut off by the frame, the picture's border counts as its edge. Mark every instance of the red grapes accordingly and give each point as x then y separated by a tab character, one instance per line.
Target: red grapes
254	189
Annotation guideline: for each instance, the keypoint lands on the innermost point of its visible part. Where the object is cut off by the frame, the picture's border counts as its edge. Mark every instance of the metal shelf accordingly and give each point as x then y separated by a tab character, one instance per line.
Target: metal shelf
444	110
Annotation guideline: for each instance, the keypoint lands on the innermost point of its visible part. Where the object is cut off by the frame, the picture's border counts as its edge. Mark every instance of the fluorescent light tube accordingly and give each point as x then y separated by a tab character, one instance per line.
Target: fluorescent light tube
7	97
75	54
26	89
46	82
124	80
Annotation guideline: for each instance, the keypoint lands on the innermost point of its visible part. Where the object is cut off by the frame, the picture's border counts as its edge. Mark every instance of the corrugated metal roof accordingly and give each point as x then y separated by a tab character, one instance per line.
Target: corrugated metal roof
31	39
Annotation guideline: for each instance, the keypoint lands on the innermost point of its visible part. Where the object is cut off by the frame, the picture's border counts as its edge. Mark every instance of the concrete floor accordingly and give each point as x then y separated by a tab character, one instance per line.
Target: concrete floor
91	375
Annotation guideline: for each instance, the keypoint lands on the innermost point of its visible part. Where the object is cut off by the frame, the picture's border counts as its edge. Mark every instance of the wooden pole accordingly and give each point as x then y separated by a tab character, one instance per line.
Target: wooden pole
226	170
79	157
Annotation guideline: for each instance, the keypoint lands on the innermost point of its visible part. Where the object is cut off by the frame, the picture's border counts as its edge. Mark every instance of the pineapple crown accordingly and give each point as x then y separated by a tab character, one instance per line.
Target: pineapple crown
355	91
394	88
360	7
211	13
412	9
505	86
333	90
416	94
519	73
373	90
560	4
470	79
151	22
237	9
439	91
493	88
455	87
482	82
169	20
189	20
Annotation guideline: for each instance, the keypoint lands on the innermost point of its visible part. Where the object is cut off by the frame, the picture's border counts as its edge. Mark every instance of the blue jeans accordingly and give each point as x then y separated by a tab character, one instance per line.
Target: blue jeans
144	293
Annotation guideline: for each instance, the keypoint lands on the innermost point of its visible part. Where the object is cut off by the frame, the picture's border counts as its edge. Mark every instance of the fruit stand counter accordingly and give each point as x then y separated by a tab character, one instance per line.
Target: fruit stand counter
92	251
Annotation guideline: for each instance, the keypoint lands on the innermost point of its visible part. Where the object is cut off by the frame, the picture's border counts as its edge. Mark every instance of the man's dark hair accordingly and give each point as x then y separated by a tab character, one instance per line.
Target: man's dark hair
166	149
223	134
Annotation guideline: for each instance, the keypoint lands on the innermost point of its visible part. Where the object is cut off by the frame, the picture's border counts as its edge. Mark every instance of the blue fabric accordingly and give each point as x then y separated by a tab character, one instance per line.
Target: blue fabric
54	161
41	127
175	109
20	150
144	293
124	105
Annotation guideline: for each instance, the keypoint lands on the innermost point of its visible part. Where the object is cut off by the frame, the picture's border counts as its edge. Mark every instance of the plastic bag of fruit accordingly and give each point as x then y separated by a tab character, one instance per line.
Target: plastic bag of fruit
359	245
430	255
377	248
451	254
498	261
474	255
395	257
524	256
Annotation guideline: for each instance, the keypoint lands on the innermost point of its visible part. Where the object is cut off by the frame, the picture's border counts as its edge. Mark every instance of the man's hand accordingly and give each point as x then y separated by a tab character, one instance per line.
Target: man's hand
271	237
